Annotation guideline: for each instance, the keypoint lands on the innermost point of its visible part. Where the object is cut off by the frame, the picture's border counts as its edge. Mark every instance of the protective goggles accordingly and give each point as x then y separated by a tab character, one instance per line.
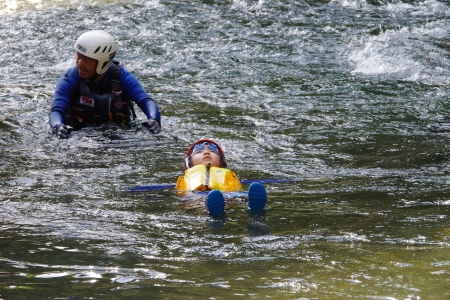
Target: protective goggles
200	146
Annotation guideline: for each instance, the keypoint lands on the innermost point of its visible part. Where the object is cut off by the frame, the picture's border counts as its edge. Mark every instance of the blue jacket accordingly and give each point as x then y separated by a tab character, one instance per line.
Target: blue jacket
68	84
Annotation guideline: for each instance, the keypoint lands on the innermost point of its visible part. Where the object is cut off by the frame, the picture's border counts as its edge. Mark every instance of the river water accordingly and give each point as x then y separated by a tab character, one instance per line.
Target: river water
348	99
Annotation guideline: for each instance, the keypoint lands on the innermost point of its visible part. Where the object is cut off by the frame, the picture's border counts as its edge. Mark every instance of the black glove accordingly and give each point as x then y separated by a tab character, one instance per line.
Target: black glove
152	125
62	131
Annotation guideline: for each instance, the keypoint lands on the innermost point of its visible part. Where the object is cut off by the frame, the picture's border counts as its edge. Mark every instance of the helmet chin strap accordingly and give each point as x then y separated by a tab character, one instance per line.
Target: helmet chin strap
188	162
92	78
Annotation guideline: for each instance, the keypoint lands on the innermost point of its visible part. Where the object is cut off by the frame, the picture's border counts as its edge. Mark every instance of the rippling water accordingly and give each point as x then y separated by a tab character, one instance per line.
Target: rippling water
347	98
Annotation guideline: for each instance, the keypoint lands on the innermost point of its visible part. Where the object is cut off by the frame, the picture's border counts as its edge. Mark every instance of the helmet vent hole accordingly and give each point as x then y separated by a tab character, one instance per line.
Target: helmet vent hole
96	50
109	50
104	49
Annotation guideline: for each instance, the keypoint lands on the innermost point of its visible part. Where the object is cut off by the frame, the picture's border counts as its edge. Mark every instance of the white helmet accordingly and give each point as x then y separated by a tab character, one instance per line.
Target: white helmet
99	45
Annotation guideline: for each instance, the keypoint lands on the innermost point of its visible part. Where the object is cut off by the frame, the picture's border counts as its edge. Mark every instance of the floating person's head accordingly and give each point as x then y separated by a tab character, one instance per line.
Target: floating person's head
206	152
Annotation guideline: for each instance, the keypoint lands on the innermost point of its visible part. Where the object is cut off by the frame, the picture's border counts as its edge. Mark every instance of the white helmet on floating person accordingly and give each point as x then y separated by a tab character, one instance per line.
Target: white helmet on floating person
99	45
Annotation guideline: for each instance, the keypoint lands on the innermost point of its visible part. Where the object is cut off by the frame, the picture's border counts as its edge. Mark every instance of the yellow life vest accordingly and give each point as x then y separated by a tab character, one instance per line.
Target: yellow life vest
204	178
